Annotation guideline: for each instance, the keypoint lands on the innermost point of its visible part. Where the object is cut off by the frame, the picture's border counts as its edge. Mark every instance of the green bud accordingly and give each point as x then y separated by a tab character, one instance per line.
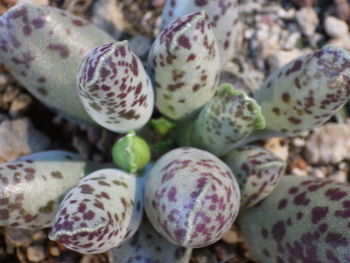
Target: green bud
162	125
131	152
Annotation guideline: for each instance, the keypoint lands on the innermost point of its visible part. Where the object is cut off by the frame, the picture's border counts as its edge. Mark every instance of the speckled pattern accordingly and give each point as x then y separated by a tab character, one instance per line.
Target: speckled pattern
184	63
191	197
103	211
306	92
227	119
43	48
257	170
223	16
114	88
32	187
149	246
305	219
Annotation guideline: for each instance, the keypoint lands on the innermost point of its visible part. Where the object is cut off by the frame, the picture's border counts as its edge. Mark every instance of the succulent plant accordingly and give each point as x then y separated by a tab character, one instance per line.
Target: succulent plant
102	211
305	219
149	246
257	170
306	92
43	47
191	197
226	120
48	175
114	88
188	41
223	17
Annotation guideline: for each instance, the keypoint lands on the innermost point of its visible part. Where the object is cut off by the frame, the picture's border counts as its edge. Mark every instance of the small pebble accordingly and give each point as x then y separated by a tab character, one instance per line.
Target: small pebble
54	251
278	146
19	138
307	20
335	27
10	94
329	144
35	253
298	142
20	105
38	235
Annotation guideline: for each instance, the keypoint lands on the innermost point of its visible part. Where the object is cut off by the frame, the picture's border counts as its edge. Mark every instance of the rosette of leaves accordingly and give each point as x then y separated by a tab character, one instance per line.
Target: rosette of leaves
184	63
191	197
43	47
305	219
32	187
257	170
102	211
223	17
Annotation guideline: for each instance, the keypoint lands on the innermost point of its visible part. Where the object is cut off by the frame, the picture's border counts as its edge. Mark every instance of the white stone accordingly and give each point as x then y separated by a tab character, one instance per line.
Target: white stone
307	20
335	27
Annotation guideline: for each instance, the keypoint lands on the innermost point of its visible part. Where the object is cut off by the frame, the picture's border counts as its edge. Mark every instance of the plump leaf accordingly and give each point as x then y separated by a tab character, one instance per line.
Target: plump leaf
184	61
103	211
149	246
191	197
226	120
43	48
114	88
306	92
305	219
257	171
32	187
223	16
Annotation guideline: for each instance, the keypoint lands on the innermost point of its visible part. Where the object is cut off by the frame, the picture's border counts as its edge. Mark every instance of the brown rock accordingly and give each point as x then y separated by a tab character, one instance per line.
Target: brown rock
19	138
35	253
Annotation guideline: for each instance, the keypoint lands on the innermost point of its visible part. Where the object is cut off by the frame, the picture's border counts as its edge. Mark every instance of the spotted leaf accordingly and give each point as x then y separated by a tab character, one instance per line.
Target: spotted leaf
305	219
226	120
149	246
223	17
103	211
32	187
306	92
257	171
191	197
184	60
43	48
114	88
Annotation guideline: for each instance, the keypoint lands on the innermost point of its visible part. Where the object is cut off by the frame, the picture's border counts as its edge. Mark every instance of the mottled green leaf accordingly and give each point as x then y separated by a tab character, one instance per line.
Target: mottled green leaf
191	197
305	219
223	16
226	120
257	171
184	62
43	47
306	92
32	187
103	211
115	89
